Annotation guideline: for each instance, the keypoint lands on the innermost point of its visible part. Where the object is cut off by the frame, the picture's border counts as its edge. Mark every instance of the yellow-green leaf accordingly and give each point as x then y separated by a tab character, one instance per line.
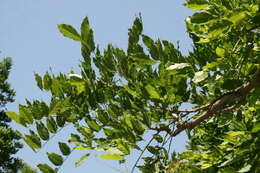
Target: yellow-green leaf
152	92
235	133
111	156
82	159
69	32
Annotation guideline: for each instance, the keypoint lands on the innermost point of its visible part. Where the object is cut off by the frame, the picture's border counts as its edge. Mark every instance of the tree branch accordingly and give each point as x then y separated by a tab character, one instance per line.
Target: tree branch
217	105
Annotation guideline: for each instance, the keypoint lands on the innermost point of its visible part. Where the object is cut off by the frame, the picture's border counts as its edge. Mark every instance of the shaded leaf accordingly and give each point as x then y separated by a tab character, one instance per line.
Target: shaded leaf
51	125
64	148
42	131
38	80
201	18
46	168
56	159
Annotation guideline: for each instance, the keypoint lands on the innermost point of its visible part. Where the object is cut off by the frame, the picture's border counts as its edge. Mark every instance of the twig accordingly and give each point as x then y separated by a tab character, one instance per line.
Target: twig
142	154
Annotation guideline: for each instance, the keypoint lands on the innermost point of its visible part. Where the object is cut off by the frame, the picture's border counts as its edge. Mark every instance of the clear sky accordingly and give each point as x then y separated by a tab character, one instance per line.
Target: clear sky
29	35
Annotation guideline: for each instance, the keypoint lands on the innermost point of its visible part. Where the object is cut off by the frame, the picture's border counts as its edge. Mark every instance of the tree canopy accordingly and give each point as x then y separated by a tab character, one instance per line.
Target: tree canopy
9	143
120	95
9	139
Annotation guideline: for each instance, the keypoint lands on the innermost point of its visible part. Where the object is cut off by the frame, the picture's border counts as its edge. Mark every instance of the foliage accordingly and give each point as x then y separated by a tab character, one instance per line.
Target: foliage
9	139
120	95
9	144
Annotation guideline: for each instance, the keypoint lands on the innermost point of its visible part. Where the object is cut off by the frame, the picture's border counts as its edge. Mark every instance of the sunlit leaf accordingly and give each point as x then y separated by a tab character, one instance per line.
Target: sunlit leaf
152	92
82	159
69	31
196	4
111	156
245	169
256	127
178	66
237	16
200	76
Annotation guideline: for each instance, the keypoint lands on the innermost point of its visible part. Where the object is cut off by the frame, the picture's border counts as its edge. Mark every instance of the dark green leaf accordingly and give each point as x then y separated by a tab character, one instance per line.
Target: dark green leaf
51	125
201	18
93	125
42	131
38	80
46	168
64	148
56	159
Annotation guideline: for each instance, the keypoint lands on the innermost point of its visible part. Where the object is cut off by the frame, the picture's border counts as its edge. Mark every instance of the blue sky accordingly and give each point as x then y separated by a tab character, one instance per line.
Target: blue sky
29	35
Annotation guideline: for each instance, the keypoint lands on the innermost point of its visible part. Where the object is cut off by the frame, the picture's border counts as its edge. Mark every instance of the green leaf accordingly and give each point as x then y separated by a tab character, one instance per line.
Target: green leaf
245	169
130	91
87	35
237	16
200	76
178	66
83	148
201	18
219	29
69	32
38	80
61	120
26	114
14	116
46	168
47	81
82	159
64	148
42	131
93	125
152	92
158	138
123	146
56	159
143	61
51	125
220	51
197	4
235	133
111	156
153	150
33	140
30	142
256	127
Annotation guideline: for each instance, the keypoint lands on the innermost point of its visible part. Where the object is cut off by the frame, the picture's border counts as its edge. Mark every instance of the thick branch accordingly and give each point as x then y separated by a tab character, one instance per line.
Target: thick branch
218	104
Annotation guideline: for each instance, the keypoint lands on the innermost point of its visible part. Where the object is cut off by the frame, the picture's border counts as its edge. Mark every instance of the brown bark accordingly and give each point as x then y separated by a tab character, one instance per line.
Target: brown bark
218	104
